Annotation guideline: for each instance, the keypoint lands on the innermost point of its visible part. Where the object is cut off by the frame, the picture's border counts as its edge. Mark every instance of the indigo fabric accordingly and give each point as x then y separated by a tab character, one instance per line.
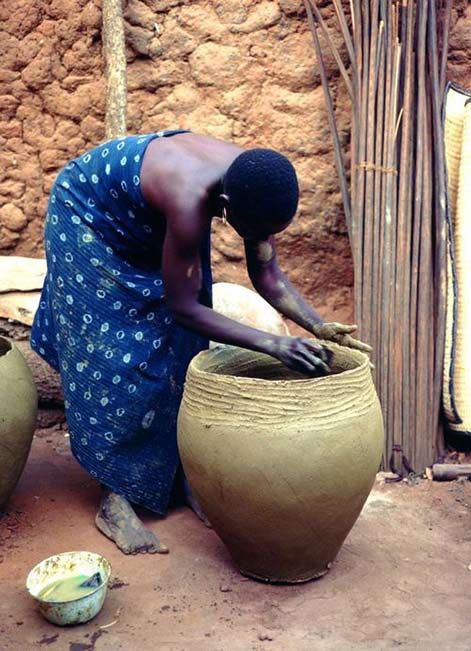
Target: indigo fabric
103	323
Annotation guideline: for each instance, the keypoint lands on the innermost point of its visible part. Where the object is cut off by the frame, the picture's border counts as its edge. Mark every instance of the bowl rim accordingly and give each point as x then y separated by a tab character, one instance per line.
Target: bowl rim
107	568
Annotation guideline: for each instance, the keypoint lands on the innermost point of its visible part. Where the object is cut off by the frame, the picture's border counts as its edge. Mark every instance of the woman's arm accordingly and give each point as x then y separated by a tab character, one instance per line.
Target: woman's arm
272	284
182	279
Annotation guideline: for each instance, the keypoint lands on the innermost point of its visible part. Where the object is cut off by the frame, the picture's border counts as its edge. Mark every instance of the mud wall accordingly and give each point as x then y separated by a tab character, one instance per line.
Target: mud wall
236	69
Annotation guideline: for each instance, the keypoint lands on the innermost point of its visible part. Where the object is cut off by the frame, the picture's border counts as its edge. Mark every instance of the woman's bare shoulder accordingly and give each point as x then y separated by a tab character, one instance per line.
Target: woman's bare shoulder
187	162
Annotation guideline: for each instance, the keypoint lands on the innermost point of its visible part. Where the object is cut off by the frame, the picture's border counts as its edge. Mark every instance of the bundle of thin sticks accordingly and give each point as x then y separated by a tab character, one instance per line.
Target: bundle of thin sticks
393	63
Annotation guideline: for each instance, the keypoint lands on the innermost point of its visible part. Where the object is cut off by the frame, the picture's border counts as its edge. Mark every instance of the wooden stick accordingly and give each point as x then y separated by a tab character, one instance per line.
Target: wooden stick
357	175
377	217
363	70
368	238
391	217
115	69
403	362
352	14
395	396
421	143
383	73
331	117
425	327
384	251
334	50
450	471
440	214
347	37
354	160
424	322
444	46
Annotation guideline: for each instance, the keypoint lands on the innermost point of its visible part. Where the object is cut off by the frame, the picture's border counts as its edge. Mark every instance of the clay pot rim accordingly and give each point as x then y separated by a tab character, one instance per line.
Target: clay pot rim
362	367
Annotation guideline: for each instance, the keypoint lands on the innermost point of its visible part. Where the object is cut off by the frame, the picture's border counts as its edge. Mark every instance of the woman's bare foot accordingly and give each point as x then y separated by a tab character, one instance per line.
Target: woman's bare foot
193	503
117	520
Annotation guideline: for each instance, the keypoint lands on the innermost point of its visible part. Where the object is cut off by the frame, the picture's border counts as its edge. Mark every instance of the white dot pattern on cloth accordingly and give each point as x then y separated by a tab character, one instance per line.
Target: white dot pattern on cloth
103	323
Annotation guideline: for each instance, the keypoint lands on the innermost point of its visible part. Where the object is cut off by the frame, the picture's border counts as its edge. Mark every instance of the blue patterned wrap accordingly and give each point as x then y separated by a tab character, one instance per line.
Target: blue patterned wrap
103	323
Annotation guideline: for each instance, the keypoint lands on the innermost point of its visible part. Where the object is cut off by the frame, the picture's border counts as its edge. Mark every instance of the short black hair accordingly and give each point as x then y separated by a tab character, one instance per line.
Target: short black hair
262	186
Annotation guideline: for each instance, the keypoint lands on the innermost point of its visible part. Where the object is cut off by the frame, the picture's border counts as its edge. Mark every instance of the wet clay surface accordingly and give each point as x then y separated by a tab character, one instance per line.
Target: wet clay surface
401	579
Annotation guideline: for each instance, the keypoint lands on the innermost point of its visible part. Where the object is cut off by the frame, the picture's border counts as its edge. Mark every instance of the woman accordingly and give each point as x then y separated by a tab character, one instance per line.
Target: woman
127	300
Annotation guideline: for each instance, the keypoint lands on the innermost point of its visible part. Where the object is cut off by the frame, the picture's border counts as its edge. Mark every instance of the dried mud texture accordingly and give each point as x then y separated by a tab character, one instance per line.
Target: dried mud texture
238	70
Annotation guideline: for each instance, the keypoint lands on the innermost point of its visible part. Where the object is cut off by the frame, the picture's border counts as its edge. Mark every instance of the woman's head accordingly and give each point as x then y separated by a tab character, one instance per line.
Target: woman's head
261	192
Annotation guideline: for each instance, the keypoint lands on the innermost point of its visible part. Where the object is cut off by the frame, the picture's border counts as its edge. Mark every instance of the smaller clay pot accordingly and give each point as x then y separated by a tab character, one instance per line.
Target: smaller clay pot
18	410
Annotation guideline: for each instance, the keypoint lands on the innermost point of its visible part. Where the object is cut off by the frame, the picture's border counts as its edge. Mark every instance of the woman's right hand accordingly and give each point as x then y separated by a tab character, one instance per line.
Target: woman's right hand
302	355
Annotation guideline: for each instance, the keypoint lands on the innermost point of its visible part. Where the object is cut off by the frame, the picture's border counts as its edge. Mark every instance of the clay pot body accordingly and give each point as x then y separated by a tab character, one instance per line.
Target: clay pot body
280	465
18	409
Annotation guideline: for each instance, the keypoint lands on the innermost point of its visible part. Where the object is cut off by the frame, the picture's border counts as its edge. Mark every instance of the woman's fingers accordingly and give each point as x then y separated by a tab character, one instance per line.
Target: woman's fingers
341	337
356	343
314	367
316	358
316	349
304	355
323	367
344	329
320	365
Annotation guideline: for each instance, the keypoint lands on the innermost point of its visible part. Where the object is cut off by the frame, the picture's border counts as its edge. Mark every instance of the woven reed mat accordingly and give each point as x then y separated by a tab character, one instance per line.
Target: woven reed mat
457	362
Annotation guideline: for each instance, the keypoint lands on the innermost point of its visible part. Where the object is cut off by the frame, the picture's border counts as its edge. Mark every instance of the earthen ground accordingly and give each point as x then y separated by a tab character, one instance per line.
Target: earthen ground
401	580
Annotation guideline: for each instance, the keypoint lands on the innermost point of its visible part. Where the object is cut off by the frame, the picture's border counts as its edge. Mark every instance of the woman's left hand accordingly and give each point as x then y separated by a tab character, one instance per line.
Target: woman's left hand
340	334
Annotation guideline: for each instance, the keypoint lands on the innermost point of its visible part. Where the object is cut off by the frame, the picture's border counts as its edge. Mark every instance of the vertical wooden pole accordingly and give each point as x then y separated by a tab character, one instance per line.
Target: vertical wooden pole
115	69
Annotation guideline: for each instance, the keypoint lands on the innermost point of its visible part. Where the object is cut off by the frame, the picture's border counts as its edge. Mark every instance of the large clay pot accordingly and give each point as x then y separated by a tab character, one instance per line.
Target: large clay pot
280	464
18	408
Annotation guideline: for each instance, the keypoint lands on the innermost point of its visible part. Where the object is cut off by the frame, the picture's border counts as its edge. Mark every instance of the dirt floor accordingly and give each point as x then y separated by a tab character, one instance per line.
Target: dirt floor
402	578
